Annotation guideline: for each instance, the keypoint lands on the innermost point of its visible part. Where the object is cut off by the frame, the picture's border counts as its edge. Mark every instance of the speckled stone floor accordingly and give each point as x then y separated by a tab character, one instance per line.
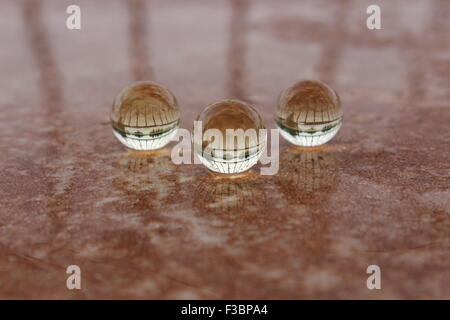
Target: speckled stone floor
140	226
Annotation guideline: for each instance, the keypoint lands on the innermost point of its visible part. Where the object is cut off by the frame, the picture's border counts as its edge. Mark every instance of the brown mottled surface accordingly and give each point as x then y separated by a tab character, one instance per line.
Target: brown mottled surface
141	227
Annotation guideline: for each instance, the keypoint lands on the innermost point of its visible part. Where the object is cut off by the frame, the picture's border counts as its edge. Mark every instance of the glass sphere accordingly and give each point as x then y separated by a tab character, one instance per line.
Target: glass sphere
231	139
309	113
145	116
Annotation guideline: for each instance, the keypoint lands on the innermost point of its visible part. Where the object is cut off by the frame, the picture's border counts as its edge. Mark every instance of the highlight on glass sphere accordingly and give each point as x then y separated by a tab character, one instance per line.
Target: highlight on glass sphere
145	116
232	137
309	113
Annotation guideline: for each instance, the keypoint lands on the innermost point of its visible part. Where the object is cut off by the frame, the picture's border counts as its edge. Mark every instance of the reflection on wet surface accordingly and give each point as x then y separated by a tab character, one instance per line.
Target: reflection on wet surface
33	16
140	39
234	198
307	175
151	178
238	25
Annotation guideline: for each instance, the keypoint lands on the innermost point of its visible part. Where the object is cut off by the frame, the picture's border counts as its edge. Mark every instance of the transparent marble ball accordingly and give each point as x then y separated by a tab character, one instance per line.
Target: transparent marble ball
309	113
229	151
145	116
